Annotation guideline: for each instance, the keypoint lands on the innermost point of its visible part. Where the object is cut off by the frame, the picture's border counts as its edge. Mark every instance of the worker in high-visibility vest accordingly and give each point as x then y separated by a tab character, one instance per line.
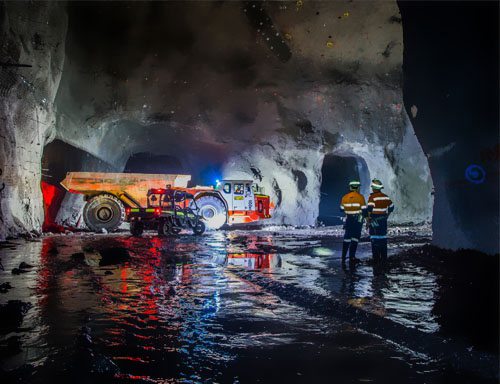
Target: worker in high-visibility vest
380	206
353	205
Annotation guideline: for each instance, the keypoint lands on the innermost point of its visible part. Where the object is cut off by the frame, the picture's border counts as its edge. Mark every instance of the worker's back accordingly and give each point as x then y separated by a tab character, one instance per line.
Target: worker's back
353	203
379	203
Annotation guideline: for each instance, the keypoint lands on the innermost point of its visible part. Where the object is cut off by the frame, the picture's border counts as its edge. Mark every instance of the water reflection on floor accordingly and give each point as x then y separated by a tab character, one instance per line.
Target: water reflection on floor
404	293
169	309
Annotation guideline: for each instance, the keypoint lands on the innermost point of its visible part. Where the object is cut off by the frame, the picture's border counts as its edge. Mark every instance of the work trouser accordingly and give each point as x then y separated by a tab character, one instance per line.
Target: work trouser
352	234
378	237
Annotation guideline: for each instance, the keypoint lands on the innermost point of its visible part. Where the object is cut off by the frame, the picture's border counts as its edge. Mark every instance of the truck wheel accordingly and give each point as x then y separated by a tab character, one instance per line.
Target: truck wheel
199	228
103	212
164	228
212	210
136	229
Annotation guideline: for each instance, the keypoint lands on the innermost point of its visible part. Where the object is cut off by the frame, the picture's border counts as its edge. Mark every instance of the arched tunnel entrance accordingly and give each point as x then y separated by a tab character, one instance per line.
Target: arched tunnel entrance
336	173
58	159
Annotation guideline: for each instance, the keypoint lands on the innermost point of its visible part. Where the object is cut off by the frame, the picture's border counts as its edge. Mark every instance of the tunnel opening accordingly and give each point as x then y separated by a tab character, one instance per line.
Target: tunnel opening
336	173
59	158
146	162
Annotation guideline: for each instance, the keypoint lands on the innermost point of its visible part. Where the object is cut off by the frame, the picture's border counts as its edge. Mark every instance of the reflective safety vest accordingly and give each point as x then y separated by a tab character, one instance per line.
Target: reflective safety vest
353	203
380	204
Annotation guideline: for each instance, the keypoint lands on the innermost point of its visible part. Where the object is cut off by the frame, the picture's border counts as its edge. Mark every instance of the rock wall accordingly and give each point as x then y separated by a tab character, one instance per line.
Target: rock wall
346	100
263	89
290	174
456	116
31	33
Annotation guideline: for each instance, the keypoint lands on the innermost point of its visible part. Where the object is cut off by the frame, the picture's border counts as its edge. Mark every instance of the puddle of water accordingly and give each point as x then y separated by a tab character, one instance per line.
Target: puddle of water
404	294
160	310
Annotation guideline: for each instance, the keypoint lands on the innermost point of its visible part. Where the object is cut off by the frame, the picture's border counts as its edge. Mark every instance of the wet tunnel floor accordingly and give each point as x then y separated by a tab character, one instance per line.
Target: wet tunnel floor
112	308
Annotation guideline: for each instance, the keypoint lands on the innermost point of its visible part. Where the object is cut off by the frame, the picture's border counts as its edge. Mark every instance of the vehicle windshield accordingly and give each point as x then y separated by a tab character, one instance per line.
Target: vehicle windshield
154	200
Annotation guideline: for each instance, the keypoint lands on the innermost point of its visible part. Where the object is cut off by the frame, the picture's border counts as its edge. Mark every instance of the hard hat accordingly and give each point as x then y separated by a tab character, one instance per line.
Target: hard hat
377	184
354	184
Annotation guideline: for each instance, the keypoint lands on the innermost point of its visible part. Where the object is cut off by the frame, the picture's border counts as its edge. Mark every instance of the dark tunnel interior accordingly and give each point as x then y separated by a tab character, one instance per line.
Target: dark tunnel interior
336	173
59	158
145	162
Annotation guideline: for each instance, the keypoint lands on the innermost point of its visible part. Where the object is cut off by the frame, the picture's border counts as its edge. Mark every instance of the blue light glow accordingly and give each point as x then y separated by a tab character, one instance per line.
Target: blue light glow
475	174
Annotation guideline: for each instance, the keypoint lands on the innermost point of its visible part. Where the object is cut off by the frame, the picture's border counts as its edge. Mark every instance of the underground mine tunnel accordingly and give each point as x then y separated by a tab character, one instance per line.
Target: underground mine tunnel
240	191
336	172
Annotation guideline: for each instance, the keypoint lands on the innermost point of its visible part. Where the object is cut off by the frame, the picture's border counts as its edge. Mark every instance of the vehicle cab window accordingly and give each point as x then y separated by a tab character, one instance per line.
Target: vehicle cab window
154	201
238	189
227	188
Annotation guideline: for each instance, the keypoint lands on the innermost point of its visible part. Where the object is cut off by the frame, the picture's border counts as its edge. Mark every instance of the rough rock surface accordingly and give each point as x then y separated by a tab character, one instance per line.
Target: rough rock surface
288	84
34	34
464	151
267	101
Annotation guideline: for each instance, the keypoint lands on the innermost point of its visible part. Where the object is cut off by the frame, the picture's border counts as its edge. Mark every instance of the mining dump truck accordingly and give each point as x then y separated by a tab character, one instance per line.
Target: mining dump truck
108	195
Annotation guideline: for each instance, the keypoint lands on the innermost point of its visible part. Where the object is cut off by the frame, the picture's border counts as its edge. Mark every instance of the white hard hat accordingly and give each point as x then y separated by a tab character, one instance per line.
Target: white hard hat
377	184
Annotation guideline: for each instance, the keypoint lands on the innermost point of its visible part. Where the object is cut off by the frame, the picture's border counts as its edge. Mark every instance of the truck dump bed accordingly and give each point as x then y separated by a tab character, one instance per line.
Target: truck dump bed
130	187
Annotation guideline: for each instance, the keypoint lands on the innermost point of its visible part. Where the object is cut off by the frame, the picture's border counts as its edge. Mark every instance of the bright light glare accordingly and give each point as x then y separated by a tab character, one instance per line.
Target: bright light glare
321	251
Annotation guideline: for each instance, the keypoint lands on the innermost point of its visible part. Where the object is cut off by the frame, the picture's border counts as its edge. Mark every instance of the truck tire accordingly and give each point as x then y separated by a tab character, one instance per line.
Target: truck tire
164	228
213	211
103	212
199	228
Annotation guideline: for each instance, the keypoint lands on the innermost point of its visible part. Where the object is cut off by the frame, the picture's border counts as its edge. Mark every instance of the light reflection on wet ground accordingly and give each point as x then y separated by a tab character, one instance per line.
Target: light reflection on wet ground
403	294
173	309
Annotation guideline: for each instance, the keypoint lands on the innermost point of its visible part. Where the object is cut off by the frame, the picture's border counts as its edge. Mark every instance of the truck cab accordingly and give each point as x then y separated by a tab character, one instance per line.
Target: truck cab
238	194
245	201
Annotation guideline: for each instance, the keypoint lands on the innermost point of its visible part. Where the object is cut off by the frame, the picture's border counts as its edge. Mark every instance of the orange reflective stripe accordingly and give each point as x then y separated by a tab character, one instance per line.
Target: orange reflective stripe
352	202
